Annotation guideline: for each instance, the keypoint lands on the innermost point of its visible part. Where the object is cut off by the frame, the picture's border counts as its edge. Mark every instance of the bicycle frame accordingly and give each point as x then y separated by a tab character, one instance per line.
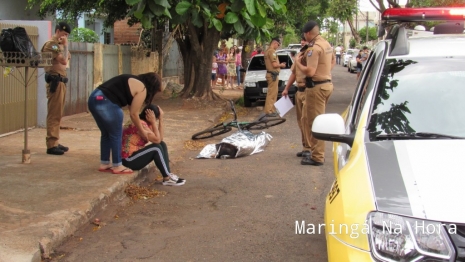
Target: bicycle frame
234	122
225	127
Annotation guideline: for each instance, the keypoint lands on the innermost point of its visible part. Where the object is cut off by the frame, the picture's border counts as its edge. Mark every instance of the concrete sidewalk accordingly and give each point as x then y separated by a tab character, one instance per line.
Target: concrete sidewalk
47	200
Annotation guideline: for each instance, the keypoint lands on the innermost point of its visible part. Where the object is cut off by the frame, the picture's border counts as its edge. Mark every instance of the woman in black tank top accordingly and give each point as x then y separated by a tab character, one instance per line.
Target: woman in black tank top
105	104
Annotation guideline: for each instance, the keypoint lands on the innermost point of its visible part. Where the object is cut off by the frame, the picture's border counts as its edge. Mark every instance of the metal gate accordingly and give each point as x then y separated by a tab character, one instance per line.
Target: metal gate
12	91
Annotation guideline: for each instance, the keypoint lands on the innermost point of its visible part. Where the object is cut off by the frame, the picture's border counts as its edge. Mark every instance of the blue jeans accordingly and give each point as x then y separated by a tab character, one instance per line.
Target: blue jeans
109	119
238	73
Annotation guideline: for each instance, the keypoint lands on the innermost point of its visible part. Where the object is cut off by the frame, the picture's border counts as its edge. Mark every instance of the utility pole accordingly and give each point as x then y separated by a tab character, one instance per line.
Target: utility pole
366	42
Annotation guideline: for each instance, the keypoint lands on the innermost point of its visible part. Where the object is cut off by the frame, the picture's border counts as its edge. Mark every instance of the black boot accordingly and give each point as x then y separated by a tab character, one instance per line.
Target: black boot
63	148
309	161
55	151
305	153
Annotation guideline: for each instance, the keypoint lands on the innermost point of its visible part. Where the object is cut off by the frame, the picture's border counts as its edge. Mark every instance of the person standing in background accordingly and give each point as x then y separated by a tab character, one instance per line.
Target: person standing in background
231	68
214	69
238	67
222	70
56	79
273	67
338	51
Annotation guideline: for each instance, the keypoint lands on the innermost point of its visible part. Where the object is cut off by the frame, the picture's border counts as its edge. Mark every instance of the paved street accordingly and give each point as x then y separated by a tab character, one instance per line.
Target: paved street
241	209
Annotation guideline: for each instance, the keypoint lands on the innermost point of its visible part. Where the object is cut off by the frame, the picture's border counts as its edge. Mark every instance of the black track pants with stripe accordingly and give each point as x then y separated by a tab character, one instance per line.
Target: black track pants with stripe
153	152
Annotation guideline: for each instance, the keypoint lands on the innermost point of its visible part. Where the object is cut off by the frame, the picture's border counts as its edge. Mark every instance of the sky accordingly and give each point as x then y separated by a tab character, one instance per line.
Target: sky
365	5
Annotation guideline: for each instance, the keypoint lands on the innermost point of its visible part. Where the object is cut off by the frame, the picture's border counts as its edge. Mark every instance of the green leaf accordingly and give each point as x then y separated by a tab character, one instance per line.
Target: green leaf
250	5
217	23
258	21
167	13
146	22
139	14
182	7
196	18
270	2
269	23
249	22
207	12
245	15
163	3
153	7
238	27
231	18
132	2
159	11
261	9
237	6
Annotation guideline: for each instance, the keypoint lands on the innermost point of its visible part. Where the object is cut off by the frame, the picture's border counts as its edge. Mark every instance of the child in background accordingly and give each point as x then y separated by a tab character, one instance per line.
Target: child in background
214	68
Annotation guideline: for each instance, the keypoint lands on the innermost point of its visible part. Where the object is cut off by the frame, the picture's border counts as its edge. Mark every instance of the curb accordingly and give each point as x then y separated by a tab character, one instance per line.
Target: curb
68	222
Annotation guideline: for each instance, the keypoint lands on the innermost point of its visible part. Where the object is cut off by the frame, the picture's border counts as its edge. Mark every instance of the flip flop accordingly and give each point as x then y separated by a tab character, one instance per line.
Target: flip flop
125	171
108	169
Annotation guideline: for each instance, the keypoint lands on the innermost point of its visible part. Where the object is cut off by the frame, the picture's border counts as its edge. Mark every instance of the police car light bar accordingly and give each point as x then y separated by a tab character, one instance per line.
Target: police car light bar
424	14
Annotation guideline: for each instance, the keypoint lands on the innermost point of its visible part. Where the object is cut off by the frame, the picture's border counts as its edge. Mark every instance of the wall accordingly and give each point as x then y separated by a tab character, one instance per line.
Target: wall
45	33
97	26
15	9
123	34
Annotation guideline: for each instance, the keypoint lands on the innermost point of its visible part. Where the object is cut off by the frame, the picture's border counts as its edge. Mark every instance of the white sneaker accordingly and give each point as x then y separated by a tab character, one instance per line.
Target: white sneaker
174	180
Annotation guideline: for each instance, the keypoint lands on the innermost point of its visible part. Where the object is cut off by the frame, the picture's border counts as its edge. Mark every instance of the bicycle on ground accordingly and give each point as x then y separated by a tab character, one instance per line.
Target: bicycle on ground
262	122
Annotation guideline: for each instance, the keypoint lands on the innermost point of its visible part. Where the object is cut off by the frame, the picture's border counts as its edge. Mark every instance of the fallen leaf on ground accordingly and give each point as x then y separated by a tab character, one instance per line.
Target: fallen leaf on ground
136	192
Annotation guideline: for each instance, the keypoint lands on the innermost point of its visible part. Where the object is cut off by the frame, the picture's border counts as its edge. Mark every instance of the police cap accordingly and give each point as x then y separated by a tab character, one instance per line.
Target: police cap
309	26
63	26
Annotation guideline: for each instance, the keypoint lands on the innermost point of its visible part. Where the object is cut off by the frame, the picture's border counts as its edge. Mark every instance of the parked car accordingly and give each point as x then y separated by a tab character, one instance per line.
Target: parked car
294	46
255	85
352	65
348	55
398	148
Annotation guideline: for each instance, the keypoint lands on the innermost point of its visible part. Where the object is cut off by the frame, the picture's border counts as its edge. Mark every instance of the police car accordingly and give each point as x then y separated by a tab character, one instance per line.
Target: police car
399	147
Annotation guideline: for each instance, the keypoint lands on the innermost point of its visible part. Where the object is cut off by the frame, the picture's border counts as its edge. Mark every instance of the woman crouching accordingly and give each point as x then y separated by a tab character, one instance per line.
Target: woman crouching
136	155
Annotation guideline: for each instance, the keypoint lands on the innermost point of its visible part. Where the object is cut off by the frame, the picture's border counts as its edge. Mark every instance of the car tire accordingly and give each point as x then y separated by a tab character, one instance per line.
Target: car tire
247	102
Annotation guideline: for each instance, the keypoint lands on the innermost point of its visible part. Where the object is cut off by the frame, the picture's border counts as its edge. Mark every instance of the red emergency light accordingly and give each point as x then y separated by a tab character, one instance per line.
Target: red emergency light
424	14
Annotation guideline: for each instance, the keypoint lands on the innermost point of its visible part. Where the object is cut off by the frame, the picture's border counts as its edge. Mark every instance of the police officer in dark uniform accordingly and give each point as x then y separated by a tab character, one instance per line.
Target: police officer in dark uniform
272	76
55	76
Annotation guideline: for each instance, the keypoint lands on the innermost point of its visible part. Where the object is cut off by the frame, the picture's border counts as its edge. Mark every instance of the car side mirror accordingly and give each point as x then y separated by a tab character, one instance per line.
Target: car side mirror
330	127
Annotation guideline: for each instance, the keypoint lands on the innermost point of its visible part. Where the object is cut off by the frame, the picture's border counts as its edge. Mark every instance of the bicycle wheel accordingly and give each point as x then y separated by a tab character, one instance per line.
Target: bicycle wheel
265	123
211	132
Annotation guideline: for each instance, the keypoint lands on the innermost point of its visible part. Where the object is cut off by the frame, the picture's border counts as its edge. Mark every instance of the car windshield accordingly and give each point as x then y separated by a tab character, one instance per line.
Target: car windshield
258	62
420	95
350	52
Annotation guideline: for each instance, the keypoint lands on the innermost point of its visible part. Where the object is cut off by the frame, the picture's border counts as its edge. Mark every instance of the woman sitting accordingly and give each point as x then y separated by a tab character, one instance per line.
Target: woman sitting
136	155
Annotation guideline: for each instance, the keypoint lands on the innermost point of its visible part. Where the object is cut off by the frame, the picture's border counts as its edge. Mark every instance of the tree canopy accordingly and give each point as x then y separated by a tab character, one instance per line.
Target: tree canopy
199	25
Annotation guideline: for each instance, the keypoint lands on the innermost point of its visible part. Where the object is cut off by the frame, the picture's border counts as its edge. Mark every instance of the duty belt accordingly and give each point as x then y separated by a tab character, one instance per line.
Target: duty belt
53	81
319	83
301	89
274	75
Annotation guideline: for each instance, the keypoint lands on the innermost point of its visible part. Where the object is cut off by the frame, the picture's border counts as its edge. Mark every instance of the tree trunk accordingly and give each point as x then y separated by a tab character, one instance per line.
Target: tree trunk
354	32
197	48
